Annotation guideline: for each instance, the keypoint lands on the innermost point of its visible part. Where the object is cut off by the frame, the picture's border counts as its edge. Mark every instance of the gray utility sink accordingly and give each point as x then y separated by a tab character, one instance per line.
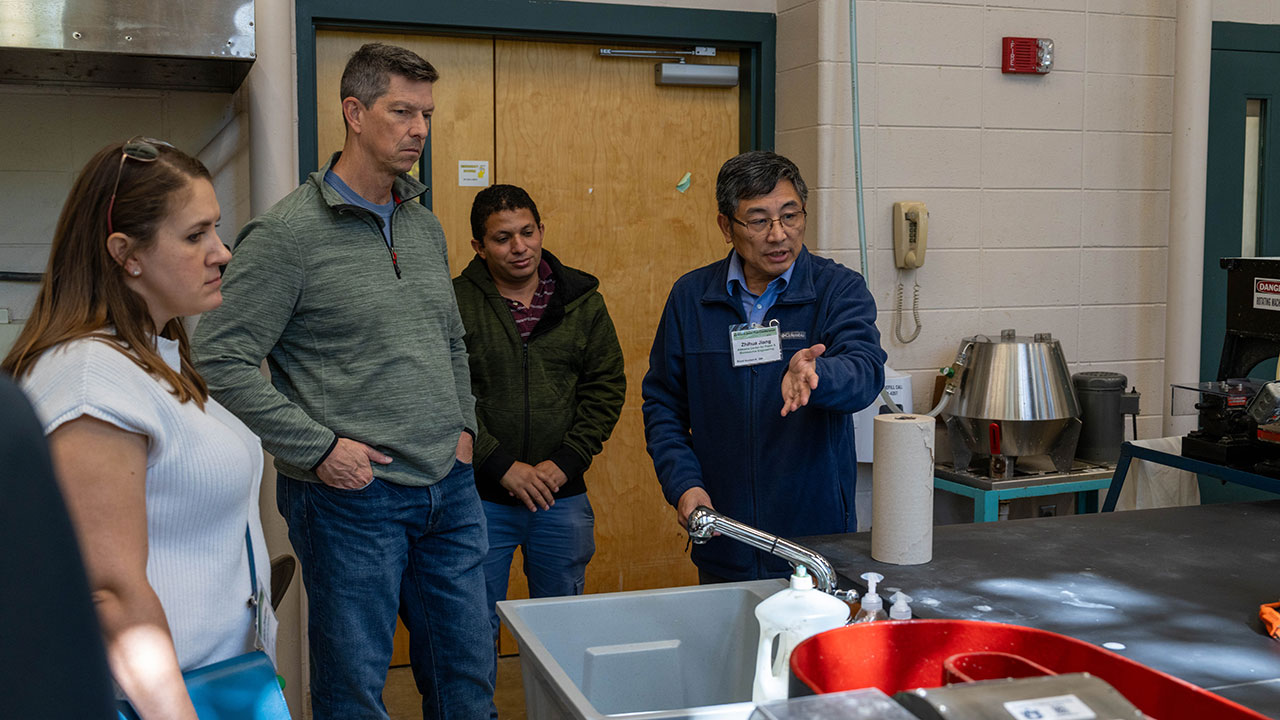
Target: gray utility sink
666	654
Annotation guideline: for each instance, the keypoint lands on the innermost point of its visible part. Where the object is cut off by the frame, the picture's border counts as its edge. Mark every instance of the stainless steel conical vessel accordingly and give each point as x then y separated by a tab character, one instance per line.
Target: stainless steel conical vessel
1015	399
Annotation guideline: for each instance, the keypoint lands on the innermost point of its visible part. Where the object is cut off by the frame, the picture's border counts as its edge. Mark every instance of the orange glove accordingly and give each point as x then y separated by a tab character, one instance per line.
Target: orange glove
1270	616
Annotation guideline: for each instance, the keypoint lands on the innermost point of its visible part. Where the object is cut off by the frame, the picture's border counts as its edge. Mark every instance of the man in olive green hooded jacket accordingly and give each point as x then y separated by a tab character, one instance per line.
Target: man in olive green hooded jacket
547	374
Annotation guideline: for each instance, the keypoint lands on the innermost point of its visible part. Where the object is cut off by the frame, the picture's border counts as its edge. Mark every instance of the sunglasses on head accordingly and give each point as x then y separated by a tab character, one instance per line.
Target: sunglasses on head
142	149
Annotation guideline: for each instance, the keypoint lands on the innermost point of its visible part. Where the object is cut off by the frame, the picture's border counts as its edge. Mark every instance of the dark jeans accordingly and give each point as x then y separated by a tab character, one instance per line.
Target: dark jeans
368	553
556	544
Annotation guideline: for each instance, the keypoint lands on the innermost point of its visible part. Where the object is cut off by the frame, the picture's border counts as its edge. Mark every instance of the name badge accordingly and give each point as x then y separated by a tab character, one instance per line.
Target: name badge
755	345
265	624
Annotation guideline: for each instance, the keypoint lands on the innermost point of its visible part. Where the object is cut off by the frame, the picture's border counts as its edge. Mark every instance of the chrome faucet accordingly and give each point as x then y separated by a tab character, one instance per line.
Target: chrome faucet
705	522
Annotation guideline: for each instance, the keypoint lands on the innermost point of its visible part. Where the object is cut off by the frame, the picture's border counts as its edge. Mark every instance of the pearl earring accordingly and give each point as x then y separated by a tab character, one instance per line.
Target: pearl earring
135	272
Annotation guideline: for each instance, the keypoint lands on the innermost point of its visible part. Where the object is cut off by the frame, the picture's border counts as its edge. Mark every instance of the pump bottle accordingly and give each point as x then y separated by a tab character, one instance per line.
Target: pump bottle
790	616
900	610
872	606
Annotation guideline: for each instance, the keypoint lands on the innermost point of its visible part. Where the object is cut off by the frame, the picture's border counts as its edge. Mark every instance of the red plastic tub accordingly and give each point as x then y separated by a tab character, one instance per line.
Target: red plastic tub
975	666
903	655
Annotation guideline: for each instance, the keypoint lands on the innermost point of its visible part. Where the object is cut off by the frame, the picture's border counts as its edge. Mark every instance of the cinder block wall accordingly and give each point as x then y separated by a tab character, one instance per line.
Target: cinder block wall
1048	196
47	134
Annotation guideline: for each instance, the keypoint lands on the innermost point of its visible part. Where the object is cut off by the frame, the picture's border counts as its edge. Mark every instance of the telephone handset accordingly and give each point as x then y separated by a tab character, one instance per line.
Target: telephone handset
910	235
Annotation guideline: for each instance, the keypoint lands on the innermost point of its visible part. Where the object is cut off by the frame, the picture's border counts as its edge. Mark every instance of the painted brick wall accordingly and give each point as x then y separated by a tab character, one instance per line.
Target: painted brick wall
1048	196
49	133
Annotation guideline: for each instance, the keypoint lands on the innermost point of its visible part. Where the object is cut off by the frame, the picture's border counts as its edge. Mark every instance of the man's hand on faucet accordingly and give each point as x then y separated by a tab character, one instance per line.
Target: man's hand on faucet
692	498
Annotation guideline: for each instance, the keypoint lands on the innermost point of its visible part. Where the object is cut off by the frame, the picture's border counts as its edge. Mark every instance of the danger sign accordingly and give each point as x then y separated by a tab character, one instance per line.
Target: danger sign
1266	293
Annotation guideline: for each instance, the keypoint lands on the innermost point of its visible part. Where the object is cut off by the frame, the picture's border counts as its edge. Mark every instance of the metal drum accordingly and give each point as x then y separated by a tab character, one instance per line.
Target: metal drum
1015	399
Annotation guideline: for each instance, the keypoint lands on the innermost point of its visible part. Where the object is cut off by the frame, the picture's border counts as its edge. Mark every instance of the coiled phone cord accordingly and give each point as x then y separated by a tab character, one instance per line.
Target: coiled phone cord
915	313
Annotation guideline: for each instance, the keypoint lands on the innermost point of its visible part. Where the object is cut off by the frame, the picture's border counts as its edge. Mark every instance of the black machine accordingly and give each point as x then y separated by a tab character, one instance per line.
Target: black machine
1240	416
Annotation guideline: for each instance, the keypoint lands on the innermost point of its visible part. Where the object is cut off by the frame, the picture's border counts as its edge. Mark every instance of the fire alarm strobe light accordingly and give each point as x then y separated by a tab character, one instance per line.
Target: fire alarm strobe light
1026	55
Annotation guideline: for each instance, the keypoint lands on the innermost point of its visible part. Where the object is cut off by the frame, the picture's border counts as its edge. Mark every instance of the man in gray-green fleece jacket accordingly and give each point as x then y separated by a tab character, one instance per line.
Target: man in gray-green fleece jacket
343	287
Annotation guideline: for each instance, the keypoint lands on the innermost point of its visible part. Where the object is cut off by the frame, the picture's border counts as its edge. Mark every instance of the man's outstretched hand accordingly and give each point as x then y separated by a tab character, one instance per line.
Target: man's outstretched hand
801	378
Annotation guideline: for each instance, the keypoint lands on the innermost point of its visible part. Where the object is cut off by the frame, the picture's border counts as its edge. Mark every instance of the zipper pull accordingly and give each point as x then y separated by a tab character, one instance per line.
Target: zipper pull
395	262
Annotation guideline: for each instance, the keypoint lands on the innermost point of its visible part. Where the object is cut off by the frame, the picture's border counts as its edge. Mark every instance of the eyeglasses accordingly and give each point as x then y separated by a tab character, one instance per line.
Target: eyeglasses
790	220
141	149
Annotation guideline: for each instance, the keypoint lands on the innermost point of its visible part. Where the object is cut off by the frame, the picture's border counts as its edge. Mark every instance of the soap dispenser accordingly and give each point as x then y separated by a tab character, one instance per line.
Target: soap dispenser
900	610
872	606
789	616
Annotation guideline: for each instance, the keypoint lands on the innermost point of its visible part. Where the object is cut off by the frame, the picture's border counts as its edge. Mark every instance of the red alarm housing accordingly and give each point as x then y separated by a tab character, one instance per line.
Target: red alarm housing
1026	55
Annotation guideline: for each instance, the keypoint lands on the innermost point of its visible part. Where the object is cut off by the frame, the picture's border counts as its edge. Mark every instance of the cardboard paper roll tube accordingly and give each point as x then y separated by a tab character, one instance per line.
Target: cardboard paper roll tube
902	489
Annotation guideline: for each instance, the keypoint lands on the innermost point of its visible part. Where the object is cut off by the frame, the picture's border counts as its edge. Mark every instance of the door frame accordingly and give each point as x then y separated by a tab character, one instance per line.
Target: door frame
752	34
1223	181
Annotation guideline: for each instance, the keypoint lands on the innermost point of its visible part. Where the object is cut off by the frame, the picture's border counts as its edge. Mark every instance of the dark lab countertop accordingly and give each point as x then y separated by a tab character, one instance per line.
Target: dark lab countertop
1178	587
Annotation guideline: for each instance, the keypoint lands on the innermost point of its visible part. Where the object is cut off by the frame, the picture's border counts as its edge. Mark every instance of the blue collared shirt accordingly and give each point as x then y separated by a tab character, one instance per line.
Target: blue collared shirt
755	306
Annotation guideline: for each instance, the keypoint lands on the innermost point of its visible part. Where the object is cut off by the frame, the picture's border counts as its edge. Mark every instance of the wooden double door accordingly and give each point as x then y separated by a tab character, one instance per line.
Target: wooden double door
601	149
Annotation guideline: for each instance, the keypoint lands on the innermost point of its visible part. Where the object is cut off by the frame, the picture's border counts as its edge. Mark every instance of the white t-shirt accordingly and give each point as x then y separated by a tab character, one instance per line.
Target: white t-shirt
203	476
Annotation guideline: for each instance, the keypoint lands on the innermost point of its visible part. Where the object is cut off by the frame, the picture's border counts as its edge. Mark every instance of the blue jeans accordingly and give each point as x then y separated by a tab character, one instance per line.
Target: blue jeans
556	544
368	553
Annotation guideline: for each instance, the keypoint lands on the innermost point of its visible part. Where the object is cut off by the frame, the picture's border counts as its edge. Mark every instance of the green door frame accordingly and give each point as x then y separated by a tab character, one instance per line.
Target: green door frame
1234	75
752	34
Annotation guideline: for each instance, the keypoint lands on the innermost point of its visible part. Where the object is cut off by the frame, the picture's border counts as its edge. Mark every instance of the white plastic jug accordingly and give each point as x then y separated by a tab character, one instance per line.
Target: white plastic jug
791	615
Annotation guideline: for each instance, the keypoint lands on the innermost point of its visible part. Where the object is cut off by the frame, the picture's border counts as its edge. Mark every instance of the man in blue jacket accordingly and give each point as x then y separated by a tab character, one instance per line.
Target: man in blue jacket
758	363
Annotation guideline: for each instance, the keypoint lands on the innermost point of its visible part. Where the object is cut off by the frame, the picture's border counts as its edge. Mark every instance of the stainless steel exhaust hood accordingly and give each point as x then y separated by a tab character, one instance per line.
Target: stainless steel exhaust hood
162	44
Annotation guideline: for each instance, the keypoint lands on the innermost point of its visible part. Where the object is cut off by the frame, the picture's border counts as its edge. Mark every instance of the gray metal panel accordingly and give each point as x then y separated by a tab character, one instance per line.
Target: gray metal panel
209	28
990	699
55	67
206	45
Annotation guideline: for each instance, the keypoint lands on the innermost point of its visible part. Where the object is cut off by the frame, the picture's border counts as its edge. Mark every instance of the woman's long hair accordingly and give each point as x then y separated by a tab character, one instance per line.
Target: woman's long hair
84	292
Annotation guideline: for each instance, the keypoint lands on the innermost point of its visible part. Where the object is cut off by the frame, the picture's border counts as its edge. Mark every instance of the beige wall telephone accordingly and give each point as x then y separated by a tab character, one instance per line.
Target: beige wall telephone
910	235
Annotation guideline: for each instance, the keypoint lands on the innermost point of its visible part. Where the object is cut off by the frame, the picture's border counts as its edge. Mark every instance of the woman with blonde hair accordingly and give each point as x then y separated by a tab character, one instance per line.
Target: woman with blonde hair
161	482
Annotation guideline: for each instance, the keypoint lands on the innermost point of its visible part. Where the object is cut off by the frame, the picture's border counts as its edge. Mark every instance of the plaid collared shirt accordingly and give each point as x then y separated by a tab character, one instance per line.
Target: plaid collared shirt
527	317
